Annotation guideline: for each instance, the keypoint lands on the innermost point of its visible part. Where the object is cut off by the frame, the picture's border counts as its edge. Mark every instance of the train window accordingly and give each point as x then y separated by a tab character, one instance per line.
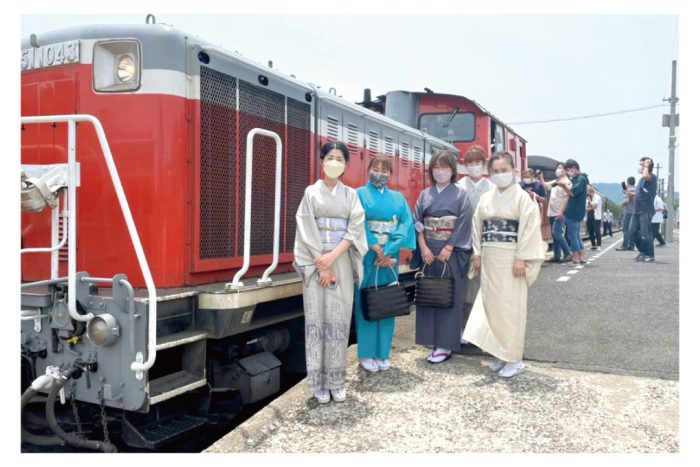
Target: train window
452	127
497	137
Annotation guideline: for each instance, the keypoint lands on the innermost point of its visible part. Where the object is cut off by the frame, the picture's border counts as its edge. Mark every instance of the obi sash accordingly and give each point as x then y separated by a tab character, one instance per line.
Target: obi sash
331	229
500	230
382	229
439	228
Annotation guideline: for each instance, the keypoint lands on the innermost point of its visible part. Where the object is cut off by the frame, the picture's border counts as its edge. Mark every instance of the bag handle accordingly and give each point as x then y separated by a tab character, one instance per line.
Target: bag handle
376	275
422	271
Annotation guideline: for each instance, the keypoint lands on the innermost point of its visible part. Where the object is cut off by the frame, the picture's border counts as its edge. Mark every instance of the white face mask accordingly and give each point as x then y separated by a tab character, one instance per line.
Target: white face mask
475	170
333	168
527	181
502	180
442	175
559	173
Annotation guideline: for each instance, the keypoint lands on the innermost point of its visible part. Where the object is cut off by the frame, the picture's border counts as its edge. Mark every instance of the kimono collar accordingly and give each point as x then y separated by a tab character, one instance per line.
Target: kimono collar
334	190
375	188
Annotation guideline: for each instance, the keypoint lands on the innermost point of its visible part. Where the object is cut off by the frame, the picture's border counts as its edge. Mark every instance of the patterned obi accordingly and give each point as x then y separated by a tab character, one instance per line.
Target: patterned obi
500	230
382	229
439	228
331	229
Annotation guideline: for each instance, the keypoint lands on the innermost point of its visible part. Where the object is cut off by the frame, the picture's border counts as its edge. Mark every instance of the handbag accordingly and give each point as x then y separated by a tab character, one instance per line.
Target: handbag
434	292
386	301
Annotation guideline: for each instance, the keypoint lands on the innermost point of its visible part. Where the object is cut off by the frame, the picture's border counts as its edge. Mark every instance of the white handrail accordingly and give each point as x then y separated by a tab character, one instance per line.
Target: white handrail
61	244
235	282
138	365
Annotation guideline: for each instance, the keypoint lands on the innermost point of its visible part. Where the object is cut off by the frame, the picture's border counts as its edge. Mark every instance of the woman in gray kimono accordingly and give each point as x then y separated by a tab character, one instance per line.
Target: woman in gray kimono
328	249
443	217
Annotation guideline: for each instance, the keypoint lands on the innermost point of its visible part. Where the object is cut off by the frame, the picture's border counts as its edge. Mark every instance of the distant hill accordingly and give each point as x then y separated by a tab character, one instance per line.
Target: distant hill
613	191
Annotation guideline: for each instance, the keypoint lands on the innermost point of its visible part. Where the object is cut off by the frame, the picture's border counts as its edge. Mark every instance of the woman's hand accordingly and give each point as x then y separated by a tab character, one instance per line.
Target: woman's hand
427	255
379	251
324	262
476	262
445	254
519	268
386	262
326	278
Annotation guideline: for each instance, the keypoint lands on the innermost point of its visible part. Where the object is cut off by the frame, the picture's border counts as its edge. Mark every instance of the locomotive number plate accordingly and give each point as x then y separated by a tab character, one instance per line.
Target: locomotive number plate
49	55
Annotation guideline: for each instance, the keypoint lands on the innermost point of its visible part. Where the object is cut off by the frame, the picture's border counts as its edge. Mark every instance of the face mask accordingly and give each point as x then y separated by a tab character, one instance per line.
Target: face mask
333	168
572	175
502	180
475	170
378	180
442	175
559	173
527	181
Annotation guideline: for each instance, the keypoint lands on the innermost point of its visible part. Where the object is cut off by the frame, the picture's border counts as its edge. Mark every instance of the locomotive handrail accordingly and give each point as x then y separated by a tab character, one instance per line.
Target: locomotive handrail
55	214
138	365
235	282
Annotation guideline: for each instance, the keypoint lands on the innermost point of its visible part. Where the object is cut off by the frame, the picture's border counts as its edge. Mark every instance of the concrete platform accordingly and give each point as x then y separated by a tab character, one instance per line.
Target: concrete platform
460	406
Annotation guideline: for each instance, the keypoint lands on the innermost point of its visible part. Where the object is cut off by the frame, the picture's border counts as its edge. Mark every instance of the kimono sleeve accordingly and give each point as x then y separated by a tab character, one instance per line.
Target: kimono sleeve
307	242
463	227
405	234
362	194
356	231
418	213
477	226
529	233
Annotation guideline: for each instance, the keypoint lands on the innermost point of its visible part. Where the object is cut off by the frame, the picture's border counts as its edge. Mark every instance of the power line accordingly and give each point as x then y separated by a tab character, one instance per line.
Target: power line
638	109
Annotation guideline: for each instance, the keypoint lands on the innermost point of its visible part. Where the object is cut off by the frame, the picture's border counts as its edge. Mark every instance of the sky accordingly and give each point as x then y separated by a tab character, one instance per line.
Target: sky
522	68
523	60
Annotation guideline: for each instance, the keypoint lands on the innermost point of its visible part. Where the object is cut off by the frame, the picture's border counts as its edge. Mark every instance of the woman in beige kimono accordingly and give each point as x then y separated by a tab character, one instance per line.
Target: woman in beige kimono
508	251
328	249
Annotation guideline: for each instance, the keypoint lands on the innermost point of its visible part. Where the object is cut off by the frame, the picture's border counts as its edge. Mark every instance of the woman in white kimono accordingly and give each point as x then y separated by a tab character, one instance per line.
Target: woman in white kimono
328	249
508	250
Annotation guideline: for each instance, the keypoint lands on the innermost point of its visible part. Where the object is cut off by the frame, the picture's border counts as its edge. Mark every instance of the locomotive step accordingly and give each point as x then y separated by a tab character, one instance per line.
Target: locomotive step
156	434
174	384
181	338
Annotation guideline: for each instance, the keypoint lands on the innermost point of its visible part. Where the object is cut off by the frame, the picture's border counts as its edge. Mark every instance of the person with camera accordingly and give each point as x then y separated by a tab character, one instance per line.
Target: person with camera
660	209
533	187
575	210
640	225
558	199
628	211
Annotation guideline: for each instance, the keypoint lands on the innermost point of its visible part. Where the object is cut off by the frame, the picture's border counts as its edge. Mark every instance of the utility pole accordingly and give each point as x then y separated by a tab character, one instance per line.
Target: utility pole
672	121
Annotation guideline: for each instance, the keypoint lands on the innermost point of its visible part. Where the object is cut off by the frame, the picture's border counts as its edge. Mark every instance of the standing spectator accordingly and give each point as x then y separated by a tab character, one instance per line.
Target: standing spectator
443	222
659	207
389	227
533	187
607	223
640	225
328	249
558	200
576	209
508	252
594	213
628	210
476	185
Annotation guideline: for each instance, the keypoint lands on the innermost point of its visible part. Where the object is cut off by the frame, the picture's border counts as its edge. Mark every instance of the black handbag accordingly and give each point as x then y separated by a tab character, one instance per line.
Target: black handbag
385	301
434	292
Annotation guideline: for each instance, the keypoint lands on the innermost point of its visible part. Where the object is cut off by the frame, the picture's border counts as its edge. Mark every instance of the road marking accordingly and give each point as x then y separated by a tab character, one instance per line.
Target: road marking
579	267
563	278
573	271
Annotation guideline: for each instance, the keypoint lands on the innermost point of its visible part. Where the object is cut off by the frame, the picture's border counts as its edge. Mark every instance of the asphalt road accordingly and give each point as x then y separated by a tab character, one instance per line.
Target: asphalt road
614	315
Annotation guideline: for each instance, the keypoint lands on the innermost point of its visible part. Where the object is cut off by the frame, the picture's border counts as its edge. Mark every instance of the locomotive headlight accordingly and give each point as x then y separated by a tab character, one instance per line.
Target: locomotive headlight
126	68
116	65
103	330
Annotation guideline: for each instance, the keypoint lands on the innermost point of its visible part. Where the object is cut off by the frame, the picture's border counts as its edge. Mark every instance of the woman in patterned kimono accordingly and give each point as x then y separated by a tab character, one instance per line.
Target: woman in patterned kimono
328	249
508	250
389	227
442	219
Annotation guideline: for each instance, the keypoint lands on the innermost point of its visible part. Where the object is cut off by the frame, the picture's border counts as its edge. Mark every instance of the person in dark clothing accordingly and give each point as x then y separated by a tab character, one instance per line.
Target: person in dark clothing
533	187
628	209
640	225
576	209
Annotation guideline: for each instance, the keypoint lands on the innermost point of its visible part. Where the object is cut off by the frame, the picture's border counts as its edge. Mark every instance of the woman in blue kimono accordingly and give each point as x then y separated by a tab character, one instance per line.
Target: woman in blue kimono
389	227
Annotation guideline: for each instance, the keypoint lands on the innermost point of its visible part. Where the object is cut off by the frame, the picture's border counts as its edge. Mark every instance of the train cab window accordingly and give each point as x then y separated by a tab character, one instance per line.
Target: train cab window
452	127
497	137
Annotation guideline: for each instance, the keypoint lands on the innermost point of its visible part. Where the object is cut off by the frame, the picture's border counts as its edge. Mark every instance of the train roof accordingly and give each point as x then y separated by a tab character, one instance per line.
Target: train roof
169	37
479	106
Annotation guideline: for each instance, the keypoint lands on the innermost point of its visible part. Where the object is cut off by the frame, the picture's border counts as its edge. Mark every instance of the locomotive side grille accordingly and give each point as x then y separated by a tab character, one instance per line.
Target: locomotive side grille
373	143
297	166
217	164
389	145
354	140
405	154
333	128
416	156
259	108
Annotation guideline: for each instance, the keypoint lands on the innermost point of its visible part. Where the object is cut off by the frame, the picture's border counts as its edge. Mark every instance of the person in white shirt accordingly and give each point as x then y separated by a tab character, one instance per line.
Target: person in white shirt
607	223
558	199
657	219
476	185
595	210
